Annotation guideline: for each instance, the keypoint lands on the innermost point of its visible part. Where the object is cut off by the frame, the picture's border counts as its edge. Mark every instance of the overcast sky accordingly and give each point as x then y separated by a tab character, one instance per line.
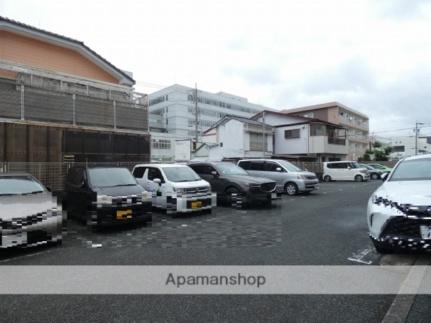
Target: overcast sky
374	56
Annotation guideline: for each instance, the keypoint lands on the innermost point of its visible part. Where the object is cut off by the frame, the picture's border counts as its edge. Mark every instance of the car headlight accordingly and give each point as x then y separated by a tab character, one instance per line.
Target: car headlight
363	171
104	199
179	190
300	177
146	196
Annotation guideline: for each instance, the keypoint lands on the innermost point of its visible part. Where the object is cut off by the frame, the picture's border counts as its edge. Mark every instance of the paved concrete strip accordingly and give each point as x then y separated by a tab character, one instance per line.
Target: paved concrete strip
400	308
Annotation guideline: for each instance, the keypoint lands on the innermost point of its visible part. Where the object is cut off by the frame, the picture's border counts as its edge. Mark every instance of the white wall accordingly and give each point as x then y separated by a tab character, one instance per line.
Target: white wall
274	119
409	144
291	146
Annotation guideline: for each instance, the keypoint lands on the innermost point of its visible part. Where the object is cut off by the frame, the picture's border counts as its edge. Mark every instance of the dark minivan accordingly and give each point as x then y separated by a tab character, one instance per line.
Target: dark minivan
227	180
106	196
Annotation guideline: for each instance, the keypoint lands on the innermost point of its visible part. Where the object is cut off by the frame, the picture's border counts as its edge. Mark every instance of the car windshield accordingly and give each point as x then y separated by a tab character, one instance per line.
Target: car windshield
181	174
356	165
230	169
366	166
289	166
110	177
19	185
413	170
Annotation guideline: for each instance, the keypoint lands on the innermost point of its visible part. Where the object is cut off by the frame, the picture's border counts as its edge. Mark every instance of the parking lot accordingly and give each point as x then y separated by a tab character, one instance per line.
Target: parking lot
327	227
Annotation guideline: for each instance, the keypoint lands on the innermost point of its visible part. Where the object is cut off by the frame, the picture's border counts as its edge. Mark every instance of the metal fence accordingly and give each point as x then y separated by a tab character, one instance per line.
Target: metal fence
19	101
53	175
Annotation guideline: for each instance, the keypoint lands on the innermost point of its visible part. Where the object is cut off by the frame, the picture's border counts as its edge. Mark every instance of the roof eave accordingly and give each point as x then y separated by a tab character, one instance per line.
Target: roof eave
122	77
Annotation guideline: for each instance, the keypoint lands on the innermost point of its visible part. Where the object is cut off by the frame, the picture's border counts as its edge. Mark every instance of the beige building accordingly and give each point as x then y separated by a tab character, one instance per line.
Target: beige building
356	123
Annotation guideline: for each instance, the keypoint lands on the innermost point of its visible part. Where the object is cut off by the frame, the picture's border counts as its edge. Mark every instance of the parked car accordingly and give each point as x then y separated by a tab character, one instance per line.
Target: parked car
290	178
175	188
381	167
29	214
373	172
344	171
399	211
227	180
106	196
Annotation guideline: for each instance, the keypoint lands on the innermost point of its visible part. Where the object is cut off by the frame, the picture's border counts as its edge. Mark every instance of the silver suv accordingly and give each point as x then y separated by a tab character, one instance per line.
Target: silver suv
290	178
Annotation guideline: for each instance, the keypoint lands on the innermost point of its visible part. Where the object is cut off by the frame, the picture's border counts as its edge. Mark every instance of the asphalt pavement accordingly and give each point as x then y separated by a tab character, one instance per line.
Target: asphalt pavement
327	227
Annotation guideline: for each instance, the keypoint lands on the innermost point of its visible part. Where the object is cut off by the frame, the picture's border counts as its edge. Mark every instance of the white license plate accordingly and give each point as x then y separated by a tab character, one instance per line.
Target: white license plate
14	239
426	231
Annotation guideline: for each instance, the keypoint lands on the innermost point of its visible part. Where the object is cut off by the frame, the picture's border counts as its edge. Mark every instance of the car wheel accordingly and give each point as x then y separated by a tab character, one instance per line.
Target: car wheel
359	178
375	176
291	189
327	178
380	248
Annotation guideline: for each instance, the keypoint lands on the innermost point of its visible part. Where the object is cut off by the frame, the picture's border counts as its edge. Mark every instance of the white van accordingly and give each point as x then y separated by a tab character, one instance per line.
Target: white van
344	171
175	188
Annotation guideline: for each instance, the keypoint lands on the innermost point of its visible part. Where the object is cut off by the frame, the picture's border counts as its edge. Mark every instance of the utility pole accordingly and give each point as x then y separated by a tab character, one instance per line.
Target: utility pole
196	117
416	136
263	133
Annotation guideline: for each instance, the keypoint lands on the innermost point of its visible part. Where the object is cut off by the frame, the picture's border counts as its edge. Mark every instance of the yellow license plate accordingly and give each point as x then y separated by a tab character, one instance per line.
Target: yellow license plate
196	204
124	214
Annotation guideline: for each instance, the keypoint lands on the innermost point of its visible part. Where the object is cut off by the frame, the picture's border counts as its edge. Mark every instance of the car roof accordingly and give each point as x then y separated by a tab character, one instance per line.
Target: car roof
211	162
160	165
418	157
13	174
341	161
258	159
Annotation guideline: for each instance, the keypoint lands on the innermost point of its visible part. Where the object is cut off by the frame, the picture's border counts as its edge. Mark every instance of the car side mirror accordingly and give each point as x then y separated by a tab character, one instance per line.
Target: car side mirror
214	173
384	176
278	169
49	189
348	167
157	181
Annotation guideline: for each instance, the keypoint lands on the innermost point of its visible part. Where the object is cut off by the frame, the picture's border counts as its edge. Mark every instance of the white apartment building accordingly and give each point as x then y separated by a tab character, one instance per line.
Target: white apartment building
305	138
235	138
356	123
172	109
405	146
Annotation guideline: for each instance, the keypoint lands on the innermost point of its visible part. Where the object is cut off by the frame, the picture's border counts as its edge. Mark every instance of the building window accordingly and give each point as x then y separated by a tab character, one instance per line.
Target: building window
256	141
161	144
398	149
157	100
292	134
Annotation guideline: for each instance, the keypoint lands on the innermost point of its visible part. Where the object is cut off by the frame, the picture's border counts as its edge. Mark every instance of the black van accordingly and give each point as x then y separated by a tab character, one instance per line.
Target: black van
106	196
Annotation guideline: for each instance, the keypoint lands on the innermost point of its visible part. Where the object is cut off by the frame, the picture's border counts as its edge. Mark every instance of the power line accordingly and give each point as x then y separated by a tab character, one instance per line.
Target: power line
402	129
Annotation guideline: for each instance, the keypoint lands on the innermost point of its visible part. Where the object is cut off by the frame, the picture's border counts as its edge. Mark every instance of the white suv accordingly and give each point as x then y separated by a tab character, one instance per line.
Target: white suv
175	188
399	211
344	171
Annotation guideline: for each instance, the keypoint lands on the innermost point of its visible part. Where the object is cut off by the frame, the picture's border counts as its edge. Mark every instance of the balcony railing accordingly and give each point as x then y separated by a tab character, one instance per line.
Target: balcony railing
337	141
23	102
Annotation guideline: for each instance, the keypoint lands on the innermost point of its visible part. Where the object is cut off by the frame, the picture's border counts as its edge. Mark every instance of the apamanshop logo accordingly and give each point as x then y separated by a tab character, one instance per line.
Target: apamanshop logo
215	280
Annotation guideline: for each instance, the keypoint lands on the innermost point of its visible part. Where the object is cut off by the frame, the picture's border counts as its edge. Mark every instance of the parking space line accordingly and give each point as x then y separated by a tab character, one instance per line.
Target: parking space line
359	256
